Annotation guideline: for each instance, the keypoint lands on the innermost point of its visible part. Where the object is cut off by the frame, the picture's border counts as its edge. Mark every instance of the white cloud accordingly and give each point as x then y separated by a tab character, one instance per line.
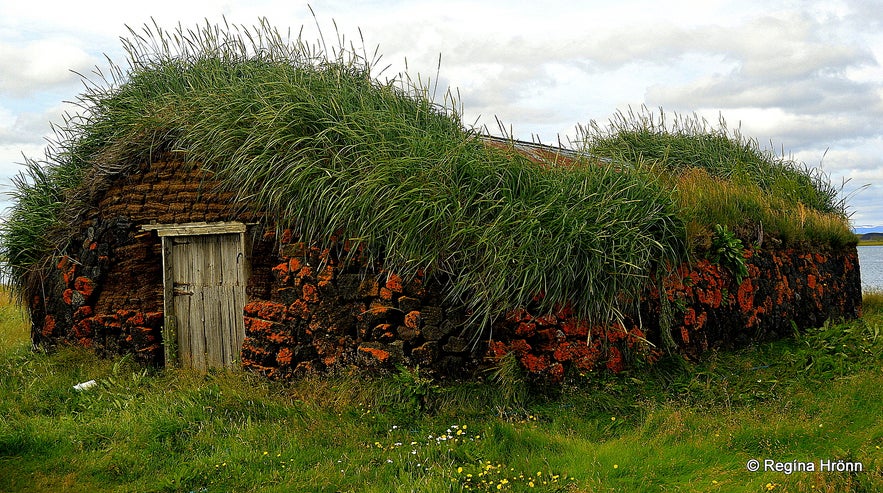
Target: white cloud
29	128
40	65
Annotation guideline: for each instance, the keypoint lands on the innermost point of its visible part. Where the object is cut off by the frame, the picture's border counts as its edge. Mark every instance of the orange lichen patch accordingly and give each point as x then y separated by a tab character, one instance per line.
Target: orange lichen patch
299	309
267	310
615	332
294	265
69	275
67	296
258	326
48	326
83	312
520	347
379	355
526	329
369	288
326	274
615	362
135	319
277	336
586	358
497	349
534	363
283	357
326	256
281	272
572	351
700	320
556	373
305	271
385	294
573	327
394	283
746	295
68	268
310	294
783	291
82	329
412	320
270	311
108	320
378	311
124	314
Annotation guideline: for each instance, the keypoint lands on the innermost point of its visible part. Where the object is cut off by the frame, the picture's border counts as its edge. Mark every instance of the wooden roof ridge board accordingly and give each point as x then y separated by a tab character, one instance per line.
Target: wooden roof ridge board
538	152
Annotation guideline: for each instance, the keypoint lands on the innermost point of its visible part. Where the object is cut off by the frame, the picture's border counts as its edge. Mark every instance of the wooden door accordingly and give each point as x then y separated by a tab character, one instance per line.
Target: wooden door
204	283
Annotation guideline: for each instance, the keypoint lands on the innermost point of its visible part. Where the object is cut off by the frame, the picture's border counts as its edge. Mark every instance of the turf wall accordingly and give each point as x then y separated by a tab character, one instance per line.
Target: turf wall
308	312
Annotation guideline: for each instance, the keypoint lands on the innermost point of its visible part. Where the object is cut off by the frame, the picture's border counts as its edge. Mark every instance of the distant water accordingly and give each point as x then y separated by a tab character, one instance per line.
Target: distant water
870	260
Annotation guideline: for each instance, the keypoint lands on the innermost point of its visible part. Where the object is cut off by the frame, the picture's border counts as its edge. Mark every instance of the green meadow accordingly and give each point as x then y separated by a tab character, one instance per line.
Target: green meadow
677	426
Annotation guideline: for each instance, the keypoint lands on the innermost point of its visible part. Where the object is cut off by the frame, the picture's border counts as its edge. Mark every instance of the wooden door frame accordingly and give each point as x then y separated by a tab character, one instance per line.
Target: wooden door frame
166	232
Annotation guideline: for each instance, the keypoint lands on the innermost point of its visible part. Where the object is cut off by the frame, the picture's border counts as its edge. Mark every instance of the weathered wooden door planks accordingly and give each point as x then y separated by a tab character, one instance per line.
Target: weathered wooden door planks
205	280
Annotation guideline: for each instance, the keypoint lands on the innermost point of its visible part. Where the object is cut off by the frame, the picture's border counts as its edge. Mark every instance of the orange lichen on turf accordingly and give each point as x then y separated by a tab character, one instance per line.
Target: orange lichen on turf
394	283
378	354
283	357
48	326
412	320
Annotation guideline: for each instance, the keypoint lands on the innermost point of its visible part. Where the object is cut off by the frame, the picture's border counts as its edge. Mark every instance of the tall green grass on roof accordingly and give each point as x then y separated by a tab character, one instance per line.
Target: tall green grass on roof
685	142
311	137
723	178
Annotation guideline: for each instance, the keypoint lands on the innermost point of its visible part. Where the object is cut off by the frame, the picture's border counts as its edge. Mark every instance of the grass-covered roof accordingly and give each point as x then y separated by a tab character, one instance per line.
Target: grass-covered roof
310	136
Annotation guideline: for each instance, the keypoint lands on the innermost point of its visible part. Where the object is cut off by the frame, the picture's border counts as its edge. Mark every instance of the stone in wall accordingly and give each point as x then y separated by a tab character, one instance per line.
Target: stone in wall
785	289
322	314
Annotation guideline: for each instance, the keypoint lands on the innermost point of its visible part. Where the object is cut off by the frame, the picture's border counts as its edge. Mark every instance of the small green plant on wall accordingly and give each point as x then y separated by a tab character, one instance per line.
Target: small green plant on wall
726	251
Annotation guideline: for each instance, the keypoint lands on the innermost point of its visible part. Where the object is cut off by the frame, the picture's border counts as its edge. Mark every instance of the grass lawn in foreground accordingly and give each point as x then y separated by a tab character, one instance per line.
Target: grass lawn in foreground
676	427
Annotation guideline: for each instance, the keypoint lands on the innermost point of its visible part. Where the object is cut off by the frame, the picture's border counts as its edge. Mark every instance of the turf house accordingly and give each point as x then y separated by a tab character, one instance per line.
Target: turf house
237	198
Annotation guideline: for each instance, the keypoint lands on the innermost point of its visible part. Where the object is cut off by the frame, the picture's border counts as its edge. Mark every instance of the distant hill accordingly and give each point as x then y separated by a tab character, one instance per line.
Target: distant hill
869	229
871	237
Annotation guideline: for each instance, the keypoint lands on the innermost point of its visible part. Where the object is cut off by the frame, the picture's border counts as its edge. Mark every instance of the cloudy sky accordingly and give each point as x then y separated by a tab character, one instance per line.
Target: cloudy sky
805	76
